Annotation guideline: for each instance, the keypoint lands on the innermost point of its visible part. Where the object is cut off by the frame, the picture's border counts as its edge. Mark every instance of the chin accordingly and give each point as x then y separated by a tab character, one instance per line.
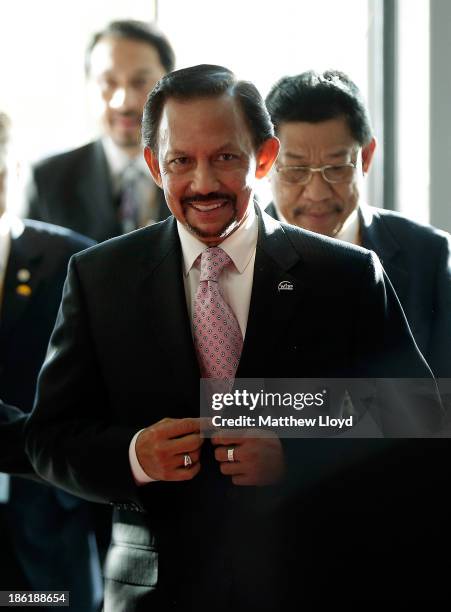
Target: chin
213	235
125	141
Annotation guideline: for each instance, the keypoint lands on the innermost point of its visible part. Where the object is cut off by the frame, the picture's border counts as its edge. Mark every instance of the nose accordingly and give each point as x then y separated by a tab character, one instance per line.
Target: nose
317	189
204	178
122	99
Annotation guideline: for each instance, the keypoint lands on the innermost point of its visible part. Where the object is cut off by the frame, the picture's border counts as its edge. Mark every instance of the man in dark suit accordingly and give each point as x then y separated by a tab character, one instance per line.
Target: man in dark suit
322	122
198	523
47	541
103	189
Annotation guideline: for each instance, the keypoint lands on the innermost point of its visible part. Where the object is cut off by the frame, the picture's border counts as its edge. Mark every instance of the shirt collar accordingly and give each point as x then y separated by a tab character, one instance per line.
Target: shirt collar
350	230
118	160
239	246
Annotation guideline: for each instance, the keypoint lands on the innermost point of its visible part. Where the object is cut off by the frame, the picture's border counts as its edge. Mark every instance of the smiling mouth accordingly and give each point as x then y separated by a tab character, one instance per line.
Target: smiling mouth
316	213
208	207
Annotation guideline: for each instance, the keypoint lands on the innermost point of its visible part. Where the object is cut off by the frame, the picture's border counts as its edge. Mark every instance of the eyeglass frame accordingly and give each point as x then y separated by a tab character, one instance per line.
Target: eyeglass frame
318	169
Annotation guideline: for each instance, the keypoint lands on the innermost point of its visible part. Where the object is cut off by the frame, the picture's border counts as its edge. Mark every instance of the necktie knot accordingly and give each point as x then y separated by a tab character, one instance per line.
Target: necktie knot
212	263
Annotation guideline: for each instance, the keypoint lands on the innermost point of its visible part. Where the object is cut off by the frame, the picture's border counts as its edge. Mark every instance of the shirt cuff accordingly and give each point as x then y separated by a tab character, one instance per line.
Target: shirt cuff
139	475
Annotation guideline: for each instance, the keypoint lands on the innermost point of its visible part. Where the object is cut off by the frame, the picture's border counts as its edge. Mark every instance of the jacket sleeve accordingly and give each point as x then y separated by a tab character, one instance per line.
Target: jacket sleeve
72	440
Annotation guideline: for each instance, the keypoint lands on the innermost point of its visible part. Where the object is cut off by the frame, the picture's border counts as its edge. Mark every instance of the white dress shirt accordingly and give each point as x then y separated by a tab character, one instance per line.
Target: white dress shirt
349	232
235	283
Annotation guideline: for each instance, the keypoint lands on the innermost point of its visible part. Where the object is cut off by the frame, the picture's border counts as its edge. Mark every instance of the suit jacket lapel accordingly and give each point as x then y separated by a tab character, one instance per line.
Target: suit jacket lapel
95	191
164	311
377	237
275	299
25	256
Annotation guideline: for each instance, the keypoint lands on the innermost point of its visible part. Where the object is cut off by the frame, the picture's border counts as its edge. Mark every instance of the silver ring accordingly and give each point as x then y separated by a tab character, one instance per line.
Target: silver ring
187	461
230	454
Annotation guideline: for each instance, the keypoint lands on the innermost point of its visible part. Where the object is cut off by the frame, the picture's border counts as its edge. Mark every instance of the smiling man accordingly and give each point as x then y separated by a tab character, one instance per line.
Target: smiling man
103	189
199	524
327	146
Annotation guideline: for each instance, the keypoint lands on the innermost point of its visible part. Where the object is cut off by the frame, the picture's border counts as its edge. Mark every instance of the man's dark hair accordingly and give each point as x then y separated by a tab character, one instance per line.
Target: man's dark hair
313	97
206	81
135	30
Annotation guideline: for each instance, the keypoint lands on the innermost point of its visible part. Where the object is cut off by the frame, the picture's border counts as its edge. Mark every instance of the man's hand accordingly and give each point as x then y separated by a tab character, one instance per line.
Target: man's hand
160	449
257	461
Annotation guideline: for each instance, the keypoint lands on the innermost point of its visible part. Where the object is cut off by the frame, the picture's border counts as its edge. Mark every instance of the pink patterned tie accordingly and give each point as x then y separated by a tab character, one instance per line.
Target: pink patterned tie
217	335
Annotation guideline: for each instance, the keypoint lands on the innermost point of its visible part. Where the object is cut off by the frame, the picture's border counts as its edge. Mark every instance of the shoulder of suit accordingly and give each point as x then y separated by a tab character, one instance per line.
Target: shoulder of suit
151	241
402	228
55	236
65	159
306	241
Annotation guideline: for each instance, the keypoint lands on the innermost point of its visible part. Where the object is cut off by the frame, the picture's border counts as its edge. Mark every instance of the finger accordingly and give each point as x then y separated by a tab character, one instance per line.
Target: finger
183	473
183	427
179	460
226	437
222	453
185	444
231	469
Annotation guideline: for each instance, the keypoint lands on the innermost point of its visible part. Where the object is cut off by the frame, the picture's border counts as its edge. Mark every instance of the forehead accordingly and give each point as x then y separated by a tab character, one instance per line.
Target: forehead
329	135
203	124
114	53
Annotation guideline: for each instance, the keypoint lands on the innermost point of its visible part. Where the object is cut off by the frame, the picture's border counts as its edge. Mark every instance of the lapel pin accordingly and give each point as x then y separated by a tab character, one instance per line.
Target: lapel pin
285	286
24	290
23	275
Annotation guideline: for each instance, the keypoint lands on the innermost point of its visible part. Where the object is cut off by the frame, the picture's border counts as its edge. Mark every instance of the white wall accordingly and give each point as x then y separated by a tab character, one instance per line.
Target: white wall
42	47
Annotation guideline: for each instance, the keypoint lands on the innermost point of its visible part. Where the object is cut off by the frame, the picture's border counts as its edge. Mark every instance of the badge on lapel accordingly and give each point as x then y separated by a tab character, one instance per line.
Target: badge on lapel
285	286
23	276
24	290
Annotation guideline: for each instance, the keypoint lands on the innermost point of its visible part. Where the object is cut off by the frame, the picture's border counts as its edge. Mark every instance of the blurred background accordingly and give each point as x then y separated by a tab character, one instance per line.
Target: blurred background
397	51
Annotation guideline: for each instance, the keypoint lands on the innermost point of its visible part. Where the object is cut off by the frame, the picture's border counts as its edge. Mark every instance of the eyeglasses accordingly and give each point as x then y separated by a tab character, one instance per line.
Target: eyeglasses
342	173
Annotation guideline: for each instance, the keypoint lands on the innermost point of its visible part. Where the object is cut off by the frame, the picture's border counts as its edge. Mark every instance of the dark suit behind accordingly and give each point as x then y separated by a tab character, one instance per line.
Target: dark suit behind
417	259
48	530
74	190
123	333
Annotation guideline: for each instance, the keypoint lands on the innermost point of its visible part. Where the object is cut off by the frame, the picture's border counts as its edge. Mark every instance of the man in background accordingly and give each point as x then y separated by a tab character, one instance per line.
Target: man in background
47	541
327	146
103	188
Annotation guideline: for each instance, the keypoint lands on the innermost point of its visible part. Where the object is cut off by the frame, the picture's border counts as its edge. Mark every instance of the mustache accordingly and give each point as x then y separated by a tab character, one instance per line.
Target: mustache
307	209
213	195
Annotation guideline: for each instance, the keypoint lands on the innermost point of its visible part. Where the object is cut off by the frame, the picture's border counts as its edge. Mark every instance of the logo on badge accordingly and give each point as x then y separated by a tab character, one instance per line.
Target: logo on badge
285	286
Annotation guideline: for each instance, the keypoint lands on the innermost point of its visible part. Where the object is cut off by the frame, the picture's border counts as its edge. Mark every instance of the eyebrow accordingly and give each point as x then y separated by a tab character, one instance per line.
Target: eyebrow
176	152
334	155
181	152
139	72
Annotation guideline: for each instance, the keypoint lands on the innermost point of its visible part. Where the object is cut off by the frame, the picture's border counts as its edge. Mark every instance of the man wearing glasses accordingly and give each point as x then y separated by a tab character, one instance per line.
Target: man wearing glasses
327	146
